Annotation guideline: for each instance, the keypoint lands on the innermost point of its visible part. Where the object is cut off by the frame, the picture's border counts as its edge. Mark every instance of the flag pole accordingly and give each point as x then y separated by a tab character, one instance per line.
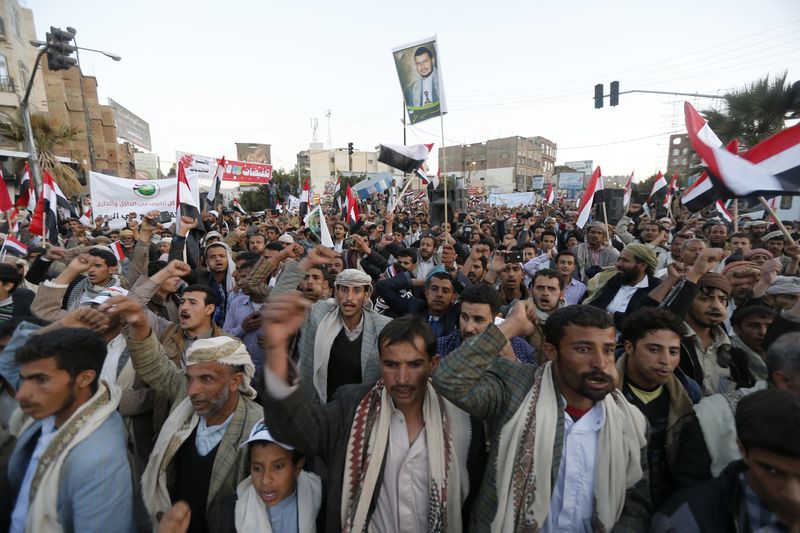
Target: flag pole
736	215
774	216
443	164
402	192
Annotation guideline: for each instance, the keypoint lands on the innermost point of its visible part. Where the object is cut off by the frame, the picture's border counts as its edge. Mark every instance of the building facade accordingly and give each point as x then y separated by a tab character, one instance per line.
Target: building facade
322	165
681	157
507	164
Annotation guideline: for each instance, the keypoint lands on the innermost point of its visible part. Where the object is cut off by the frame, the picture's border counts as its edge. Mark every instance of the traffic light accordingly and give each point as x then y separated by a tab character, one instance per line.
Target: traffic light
59	49
349	148
613	97
598	96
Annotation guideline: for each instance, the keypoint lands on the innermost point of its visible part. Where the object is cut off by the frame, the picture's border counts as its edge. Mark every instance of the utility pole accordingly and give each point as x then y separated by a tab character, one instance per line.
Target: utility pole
24	109
86	116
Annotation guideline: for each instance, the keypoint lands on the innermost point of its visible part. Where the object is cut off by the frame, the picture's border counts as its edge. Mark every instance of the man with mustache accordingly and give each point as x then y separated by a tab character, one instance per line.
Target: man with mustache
568	408
627	291
396	451
547	292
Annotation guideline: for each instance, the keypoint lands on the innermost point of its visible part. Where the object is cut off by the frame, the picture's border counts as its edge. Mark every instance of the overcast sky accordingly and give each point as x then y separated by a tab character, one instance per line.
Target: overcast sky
206	75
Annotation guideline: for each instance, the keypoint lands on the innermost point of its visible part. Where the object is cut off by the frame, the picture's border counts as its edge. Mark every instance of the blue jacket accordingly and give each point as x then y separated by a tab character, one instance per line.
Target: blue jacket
95	491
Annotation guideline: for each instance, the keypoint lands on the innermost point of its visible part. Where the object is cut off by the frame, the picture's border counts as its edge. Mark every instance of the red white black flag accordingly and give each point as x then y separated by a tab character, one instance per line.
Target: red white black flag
405	158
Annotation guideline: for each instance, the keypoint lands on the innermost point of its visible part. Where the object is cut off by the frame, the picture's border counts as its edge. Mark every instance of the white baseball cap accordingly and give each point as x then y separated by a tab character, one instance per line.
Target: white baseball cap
261	433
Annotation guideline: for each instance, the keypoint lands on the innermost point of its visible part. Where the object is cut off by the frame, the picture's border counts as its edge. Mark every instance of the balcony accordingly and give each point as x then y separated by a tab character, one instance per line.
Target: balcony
7	84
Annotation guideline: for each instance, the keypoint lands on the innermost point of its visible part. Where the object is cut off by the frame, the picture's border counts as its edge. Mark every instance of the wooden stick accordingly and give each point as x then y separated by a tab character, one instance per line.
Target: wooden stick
781	227
402	192
443	164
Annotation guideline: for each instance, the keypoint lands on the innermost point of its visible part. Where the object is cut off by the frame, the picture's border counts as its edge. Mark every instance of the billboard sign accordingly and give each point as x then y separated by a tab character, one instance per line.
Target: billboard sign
420	74
585	167
254	153
130	127
572	181
146	166
537	183
239	171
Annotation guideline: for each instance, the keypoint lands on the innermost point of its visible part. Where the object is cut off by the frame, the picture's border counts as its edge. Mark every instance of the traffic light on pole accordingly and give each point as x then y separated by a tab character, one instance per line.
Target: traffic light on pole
598	96
613	97
59	49
349	148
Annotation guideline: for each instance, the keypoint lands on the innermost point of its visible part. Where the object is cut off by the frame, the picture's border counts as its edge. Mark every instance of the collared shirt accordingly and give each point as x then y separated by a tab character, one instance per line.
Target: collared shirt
574	291
760	518
240	306
424	267
716	379
20	514
623	297
403	498
283	515
426	94
208	437
188	340
352	334
572	501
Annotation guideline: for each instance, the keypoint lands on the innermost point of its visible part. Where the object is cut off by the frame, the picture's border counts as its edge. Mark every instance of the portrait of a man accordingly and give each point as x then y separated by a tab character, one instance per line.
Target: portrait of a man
420	78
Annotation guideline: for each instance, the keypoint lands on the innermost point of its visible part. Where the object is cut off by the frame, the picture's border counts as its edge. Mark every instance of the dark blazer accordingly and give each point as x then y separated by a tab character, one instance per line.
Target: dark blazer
639	299
323	431
389	289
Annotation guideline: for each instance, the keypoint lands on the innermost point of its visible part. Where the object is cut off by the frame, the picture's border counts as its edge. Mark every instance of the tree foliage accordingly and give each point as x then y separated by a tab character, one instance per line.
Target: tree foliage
257	200
753	113
48	135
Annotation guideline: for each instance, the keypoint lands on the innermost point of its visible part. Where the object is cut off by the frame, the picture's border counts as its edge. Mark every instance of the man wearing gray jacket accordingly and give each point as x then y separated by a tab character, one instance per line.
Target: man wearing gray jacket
339	340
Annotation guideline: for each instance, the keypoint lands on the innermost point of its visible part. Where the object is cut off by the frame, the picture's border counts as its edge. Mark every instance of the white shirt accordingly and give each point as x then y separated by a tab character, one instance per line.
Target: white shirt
20	514
111	363
403	499
623	297
572	501
352	334
207	437
427	86
424	267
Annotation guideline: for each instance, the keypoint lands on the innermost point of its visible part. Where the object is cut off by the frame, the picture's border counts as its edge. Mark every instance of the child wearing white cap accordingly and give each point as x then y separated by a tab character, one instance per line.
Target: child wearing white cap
278	496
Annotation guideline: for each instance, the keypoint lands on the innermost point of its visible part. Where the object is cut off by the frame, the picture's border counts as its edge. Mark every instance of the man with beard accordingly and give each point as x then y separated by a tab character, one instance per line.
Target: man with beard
718	235
338	341
702	302
568	409
628	290
592	255
197	456
427	259
423	90
742	277
399	457
757	229
480	304
650	379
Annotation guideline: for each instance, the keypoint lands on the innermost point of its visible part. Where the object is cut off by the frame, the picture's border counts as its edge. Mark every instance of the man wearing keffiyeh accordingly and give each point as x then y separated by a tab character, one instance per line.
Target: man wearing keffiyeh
396	451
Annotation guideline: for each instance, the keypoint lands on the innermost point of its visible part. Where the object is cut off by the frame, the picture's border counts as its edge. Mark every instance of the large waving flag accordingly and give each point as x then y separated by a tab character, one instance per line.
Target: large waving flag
216	183
352	205
594	186
405	158
723	211
27	194
703	192
550	197
45	216
13	246
772	168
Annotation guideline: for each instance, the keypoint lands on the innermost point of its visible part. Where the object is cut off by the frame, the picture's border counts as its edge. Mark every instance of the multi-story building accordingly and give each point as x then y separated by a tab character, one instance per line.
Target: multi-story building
507	164
681	157
322	165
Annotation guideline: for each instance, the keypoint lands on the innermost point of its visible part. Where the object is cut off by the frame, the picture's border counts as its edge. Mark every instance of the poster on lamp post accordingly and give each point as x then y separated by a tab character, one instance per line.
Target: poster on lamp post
420	74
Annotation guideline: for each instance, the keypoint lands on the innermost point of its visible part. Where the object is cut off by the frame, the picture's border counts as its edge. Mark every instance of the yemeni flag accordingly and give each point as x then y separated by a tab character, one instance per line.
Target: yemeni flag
5	199
432	183
723	211
659	189
405	158
117	250
337	194
304	198
14	247
185	204
45	216
352	206
594	186
770	168
236	206
86	218
628	190
27	194
703	192
673	186
550	197
216	183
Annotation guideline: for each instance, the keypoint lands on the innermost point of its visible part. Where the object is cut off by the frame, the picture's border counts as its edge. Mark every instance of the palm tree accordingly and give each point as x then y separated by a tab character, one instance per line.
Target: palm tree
49	135
753	113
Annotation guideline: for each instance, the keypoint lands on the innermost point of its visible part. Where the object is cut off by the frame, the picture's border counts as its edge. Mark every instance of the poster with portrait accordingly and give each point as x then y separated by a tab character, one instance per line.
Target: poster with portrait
420	74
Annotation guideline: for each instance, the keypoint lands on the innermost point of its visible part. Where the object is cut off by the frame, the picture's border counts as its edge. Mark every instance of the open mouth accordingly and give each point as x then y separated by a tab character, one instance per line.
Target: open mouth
598	381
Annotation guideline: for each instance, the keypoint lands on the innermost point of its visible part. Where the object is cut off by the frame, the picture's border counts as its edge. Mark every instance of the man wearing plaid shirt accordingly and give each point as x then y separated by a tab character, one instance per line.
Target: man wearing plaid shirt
760	493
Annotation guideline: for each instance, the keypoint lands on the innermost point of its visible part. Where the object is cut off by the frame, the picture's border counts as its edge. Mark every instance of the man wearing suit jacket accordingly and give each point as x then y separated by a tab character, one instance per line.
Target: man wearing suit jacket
69	470
423	90
396	451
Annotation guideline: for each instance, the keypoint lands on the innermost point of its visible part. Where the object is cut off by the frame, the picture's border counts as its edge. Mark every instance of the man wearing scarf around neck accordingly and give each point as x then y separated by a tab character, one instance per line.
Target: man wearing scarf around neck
396	451
536	419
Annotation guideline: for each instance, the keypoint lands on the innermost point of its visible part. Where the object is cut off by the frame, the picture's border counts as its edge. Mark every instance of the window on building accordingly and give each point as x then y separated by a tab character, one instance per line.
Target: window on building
684	161
15	25
24	75
786	202
2	29
685	151
676	151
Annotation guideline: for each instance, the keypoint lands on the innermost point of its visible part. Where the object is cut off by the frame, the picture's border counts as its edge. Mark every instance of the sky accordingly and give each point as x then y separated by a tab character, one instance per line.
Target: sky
206	75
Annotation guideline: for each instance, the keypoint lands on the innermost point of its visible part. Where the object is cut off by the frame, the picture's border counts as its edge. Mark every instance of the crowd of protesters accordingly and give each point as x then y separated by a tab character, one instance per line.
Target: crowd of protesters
508	371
